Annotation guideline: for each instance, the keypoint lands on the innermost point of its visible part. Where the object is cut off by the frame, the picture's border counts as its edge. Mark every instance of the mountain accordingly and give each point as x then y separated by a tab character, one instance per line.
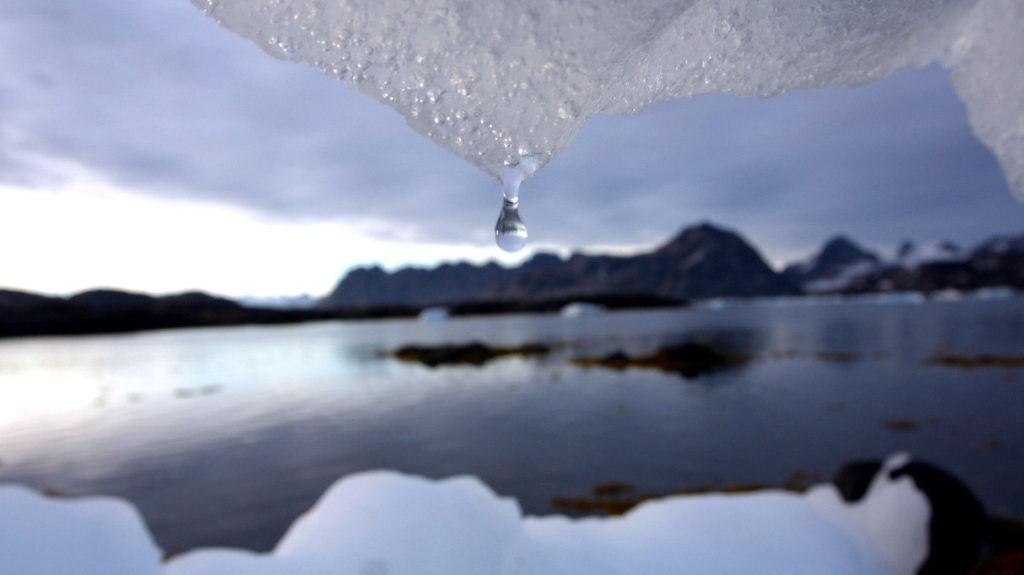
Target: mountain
112	311
838	261
368	287
997	262
841	266
910	254
702	261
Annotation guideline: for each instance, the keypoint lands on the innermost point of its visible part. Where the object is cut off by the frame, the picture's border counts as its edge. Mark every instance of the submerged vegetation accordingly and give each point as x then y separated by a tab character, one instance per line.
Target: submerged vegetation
687	359
617	498
901	424
474	353
976	361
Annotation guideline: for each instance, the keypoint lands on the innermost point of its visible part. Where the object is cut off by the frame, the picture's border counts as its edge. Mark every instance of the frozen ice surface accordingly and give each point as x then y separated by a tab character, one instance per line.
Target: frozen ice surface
93	536
386	523
498	79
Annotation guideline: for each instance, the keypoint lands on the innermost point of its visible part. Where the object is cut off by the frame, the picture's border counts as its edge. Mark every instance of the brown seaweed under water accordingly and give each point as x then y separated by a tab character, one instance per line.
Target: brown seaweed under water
1004	537
474	353
976	361
616	498
687	359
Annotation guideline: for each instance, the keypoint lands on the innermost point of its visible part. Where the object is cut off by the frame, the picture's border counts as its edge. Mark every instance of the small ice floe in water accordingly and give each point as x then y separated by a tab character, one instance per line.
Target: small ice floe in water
581	309
433	314
891	518
510	232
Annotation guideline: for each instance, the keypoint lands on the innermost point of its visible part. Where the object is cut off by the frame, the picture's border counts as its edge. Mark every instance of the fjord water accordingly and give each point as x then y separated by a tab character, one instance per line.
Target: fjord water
223	436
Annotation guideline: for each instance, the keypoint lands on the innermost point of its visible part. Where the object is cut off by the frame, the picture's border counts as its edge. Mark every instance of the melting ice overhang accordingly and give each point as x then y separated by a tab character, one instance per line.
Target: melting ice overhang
493	80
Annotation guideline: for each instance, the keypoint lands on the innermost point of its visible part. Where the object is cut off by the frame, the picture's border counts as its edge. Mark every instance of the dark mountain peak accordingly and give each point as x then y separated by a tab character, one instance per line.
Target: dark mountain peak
24	300
111	298
1001	245
701	261
693	237
839	240
839	259
950	247
543	260
197	300
841	250
906	248
117	300
367	271
910	255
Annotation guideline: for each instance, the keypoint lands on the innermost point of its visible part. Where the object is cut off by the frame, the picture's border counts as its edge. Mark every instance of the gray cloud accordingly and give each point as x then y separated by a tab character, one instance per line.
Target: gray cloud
156	96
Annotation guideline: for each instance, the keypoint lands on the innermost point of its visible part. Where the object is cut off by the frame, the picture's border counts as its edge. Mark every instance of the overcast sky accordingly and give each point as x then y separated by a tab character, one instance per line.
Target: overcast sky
143	147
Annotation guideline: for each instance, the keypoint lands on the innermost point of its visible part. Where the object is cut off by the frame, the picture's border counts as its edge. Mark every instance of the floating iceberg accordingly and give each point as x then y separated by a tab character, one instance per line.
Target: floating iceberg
433	314
386	523
582	309
499	80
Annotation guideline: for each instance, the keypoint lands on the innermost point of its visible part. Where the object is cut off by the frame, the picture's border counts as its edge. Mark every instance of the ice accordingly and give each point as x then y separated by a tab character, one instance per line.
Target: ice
496	80
387	523
47	536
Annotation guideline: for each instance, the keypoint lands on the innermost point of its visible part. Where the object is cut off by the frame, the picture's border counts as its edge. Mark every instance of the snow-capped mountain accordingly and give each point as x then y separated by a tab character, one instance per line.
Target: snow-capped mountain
842	266
838	262
910	254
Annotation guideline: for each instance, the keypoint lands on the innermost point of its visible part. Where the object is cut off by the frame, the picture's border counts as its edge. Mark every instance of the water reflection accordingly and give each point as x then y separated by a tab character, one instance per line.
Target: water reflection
222	436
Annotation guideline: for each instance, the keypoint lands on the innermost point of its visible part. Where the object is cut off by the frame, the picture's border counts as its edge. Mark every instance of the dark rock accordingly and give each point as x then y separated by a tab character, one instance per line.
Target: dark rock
958	525
853	479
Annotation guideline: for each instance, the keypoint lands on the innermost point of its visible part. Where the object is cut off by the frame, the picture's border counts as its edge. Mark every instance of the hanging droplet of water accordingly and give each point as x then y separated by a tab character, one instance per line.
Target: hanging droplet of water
510	231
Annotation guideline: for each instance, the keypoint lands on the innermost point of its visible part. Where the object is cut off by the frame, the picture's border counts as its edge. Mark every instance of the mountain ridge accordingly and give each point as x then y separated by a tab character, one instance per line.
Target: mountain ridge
701	261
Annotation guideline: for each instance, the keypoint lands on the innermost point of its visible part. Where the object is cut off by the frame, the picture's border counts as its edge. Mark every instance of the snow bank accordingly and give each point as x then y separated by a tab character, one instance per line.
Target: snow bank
46	536
494	81
385	523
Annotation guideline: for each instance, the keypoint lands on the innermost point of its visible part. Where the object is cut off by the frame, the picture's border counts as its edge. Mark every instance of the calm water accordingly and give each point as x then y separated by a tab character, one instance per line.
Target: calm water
223	436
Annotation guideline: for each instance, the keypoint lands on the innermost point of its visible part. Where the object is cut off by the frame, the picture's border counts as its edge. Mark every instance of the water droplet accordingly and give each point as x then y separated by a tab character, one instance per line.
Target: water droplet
510	231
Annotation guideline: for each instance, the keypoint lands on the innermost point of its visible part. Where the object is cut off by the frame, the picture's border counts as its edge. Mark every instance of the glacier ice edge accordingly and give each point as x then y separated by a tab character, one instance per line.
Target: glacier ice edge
495	81
383	522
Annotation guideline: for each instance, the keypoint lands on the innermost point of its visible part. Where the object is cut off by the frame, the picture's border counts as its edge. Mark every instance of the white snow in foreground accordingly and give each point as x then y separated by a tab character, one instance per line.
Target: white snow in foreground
95	535
496	80
386	523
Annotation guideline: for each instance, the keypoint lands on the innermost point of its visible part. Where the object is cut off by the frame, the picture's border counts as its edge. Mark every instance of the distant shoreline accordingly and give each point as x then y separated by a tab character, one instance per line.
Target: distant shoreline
98	312
24	314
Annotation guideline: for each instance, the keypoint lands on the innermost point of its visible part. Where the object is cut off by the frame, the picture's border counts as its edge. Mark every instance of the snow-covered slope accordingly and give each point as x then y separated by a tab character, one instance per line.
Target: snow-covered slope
497	80
838	262
841	264
386	523
910	254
